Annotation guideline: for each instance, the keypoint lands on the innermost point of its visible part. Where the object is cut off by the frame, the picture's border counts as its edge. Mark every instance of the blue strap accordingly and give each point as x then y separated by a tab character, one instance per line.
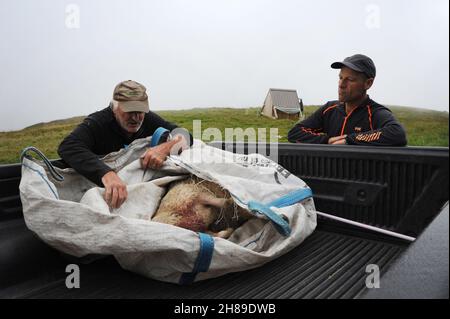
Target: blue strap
280	224
203	259
291	198
287	200
157	135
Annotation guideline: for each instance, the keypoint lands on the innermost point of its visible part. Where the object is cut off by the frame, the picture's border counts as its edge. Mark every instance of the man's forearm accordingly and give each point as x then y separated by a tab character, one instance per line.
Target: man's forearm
392	135
84	162
301	134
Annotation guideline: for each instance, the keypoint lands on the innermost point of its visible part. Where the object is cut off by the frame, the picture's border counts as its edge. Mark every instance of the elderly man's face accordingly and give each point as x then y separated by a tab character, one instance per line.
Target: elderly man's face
352	85
129	121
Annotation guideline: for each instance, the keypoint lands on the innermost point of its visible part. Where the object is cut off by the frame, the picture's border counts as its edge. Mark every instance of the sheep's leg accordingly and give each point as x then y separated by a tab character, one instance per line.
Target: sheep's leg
210	200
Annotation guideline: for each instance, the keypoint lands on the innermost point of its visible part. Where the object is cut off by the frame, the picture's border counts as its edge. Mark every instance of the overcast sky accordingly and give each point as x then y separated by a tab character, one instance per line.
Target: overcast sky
63	58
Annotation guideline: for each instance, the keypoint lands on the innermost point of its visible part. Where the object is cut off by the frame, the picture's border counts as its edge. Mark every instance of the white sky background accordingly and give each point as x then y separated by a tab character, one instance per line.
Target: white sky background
214	53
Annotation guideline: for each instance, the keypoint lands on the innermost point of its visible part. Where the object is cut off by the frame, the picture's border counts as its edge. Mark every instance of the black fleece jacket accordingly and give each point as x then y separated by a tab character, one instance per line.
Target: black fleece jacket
368	124
100	134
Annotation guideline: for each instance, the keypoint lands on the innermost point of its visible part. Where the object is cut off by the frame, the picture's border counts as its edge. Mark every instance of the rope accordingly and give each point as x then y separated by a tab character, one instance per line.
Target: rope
47	163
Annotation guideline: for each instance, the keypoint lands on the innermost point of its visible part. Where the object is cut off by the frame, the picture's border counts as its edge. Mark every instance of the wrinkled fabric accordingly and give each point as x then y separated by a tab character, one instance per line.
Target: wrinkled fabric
72	216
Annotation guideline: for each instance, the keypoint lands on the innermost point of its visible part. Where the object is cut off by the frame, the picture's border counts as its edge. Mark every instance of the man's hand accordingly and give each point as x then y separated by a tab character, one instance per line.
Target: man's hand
155	157
337	140
115	190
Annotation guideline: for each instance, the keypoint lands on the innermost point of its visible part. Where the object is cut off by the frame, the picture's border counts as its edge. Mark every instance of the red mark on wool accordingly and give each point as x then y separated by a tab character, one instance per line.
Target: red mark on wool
189	219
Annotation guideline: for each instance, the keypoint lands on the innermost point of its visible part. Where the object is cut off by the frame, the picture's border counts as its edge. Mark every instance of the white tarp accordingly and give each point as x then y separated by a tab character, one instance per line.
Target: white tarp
72	216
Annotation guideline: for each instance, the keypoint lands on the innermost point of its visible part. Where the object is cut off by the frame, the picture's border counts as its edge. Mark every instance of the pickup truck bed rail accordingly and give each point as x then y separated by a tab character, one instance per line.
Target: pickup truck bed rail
400	189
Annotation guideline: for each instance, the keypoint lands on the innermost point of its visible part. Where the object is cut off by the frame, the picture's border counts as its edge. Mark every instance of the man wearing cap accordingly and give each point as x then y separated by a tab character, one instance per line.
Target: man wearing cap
354	119
126	119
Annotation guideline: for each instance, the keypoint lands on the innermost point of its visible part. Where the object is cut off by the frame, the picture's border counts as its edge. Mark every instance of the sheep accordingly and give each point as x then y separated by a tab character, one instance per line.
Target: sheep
201	206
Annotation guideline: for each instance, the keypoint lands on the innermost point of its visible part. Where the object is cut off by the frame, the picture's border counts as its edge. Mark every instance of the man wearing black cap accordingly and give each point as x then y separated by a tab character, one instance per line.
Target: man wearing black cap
354	119
127	118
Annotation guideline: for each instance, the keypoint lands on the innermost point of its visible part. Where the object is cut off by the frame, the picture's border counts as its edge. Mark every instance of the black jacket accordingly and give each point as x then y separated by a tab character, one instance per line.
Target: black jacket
368	124
100	134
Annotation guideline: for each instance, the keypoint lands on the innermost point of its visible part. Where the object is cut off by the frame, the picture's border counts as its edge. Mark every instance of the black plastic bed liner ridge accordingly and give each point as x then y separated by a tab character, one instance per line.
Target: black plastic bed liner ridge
325	265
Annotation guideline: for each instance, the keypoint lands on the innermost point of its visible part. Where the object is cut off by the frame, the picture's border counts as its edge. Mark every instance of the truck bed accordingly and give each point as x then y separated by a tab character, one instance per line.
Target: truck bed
331	263
327	265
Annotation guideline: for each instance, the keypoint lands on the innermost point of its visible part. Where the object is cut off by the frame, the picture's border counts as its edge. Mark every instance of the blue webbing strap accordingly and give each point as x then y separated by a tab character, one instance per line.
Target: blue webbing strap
291	198
203	259
157	135
280	224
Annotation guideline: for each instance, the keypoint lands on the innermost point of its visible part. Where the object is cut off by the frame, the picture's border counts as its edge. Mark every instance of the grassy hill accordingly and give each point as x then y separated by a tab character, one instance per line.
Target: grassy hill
424	128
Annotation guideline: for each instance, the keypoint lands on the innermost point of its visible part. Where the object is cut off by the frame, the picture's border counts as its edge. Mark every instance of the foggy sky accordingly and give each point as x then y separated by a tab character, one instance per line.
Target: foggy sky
56	63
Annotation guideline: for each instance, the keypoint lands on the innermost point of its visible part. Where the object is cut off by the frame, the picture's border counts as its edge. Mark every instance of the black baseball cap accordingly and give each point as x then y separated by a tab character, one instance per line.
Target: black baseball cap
358	63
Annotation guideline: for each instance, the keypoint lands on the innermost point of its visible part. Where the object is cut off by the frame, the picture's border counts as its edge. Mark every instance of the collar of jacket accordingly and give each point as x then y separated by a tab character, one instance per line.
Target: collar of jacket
363	104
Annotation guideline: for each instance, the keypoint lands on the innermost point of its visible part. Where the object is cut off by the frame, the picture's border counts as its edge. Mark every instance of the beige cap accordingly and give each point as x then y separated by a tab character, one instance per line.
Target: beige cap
131	96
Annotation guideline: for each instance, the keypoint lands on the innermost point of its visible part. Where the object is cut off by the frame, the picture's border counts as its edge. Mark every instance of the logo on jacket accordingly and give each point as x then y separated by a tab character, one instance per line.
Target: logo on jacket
357	129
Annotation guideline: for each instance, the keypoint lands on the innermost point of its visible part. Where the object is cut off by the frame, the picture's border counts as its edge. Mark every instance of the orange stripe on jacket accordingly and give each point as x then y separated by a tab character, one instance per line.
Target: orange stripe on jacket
309	131
329	108
345	121
377	137
370	117
368	137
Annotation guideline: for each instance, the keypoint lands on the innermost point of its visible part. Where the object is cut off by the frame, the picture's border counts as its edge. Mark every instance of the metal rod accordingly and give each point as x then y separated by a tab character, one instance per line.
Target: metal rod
376	229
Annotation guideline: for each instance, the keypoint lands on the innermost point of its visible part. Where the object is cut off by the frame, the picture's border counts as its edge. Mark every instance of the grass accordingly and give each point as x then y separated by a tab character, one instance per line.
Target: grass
424	128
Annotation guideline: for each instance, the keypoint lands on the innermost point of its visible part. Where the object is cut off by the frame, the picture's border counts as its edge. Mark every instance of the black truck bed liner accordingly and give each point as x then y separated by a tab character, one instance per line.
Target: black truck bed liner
398	189
326	265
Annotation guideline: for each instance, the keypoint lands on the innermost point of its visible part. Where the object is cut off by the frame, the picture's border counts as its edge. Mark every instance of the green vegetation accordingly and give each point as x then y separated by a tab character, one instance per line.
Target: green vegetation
424	128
